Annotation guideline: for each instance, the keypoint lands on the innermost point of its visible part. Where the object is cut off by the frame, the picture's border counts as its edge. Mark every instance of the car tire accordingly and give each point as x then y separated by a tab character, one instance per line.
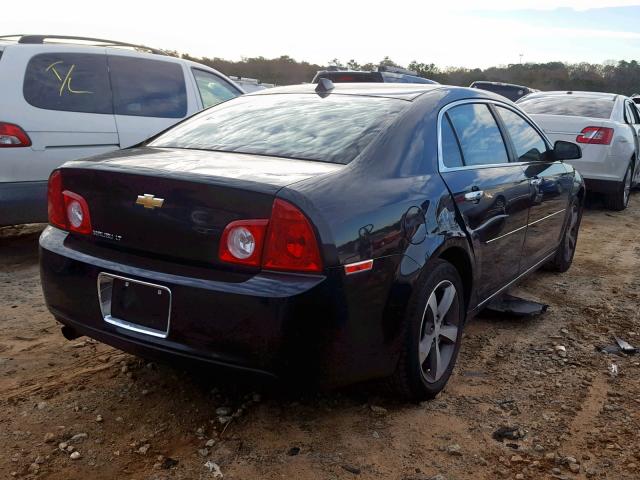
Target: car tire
567	249
619	200
432	333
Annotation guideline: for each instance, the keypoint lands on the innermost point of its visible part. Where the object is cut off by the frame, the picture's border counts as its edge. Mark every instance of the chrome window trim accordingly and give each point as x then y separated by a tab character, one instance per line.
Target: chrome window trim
443	168
105	282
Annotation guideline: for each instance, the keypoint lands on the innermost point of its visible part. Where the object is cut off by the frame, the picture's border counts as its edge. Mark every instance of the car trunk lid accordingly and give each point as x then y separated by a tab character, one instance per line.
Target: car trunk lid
176	203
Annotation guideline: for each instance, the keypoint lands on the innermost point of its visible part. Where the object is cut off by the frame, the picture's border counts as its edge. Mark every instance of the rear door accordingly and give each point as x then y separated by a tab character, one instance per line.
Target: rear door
550	185
62	98
491	193
149	95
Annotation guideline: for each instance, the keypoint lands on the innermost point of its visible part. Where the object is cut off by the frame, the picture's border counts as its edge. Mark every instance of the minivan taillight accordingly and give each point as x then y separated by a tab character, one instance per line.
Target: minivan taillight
67	210
13	136
595	135
285	242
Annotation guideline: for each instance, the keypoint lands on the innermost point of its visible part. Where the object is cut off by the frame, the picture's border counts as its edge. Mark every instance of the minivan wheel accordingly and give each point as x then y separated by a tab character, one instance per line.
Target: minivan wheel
619	200
567	249
433	333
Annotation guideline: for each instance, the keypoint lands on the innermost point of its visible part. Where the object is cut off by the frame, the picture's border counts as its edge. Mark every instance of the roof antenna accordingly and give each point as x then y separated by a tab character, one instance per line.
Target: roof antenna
325	86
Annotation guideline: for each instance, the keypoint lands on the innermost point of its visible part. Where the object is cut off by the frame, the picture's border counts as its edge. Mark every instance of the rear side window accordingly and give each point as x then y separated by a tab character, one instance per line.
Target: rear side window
213	90
529	145
69	82
451	156
570	105
479	135
147	88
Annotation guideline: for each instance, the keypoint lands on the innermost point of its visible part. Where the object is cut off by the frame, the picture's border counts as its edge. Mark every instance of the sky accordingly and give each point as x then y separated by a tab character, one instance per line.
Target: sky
461	33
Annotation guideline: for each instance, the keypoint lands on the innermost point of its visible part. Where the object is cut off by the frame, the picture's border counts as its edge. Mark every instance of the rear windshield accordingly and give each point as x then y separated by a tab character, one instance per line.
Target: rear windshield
331	129
508	91
350	77
568	105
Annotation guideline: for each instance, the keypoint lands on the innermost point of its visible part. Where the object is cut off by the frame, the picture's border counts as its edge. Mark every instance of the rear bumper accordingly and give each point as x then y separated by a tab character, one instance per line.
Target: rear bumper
23	202
323	329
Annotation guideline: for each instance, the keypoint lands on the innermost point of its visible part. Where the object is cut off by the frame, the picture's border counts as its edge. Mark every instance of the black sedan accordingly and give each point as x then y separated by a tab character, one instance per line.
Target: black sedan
334	233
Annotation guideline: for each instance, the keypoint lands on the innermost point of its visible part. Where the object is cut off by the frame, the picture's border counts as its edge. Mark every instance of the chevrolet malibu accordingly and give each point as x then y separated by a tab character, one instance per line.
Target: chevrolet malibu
330	233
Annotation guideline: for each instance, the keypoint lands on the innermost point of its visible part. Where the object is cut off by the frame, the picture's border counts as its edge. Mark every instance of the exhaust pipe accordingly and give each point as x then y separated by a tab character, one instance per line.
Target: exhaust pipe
69	333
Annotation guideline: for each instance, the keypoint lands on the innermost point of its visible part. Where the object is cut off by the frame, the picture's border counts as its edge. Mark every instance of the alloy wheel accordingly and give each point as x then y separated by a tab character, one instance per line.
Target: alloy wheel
439	331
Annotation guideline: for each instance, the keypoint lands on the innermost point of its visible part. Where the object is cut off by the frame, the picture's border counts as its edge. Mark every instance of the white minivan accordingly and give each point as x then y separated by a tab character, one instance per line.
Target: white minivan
64	101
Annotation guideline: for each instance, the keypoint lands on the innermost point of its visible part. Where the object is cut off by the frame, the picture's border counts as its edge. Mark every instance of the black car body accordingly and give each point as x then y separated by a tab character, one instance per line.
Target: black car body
400	205
508	90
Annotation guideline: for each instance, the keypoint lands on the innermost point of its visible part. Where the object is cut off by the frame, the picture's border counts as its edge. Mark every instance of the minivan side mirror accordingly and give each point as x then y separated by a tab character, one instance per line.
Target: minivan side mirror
566	151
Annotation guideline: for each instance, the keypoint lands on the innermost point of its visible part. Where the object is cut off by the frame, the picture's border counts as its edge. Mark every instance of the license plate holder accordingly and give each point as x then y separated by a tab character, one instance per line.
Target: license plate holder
135	305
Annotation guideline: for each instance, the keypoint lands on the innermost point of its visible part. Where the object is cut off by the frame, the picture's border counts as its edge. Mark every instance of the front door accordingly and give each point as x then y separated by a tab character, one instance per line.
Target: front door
491	193
549	183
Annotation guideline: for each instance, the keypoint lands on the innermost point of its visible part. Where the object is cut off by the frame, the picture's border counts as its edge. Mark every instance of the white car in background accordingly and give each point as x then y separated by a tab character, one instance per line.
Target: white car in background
605	125
65	98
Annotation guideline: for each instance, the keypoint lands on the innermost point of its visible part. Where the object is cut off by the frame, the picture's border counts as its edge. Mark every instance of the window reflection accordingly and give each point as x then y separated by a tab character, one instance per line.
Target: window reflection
332	129
529	145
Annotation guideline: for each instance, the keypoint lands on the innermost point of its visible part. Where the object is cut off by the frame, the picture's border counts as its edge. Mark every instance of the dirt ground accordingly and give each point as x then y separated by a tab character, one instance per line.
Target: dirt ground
575	416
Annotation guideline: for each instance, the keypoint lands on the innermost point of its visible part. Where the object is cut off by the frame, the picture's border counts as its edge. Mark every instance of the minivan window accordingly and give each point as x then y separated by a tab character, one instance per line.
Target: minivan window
571	105
147	88
304	126
479	135
529	145
213	90
69	82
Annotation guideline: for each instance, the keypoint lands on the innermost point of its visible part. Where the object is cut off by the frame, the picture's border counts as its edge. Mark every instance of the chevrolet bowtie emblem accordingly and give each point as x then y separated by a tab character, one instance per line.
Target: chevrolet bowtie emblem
149	201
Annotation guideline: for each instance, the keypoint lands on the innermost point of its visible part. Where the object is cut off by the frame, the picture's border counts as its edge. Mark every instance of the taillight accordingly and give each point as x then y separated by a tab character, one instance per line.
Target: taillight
77	210
291	242
57	215
67	210
242	242
285	242
595	135
13	136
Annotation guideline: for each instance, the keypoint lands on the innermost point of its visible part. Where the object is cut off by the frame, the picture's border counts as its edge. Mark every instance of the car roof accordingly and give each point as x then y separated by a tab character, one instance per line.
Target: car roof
403	91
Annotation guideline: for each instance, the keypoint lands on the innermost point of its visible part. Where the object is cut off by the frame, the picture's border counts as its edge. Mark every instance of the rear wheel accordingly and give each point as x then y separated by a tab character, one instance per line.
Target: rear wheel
619	200
564	256
433	333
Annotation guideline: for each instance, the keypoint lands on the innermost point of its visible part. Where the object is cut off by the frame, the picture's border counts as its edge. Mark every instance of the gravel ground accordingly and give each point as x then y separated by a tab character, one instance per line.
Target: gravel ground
529	399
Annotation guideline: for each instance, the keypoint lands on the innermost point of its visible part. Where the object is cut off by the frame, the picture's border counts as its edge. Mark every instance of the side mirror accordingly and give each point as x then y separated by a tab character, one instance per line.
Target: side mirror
566	151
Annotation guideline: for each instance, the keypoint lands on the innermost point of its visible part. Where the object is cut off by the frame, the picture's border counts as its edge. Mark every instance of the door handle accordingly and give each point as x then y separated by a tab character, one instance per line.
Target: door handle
536	181
474	196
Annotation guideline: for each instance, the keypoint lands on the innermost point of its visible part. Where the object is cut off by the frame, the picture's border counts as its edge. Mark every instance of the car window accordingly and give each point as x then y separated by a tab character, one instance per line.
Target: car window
529	145
479	135
512	92
451	156
570	105
69	82
213	89
305	126
147	88
631	113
